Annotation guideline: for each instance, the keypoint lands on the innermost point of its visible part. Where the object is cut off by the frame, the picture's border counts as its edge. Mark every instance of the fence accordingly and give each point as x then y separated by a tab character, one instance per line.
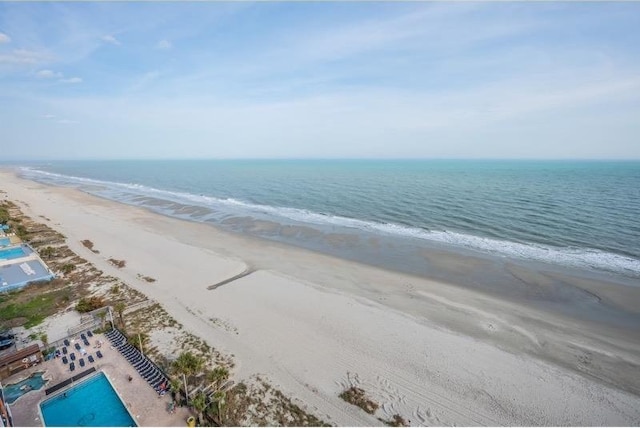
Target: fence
69	381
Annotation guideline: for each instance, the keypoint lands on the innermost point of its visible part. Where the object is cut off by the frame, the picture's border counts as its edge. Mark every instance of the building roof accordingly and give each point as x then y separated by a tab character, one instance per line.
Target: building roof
21	272
19	355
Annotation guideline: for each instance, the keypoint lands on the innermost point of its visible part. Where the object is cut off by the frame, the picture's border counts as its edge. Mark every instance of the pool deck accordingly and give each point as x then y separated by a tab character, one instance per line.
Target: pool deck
144	404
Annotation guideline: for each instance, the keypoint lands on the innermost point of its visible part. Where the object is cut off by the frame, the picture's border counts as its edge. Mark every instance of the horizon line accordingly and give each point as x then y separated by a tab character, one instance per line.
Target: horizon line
417	159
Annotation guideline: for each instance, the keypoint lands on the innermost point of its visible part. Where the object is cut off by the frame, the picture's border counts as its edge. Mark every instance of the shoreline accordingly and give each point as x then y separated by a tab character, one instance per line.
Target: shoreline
360	239
581	294
310	321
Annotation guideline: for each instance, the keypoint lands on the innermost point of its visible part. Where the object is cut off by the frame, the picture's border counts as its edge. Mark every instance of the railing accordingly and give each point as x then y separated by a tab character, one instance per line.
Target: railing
89	325
69	381
138	306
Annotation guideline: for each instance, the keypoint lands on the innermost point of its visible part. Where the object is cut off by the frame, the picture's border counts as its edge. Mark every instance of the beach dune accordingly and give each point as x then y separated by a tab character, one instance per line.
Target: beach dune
314	325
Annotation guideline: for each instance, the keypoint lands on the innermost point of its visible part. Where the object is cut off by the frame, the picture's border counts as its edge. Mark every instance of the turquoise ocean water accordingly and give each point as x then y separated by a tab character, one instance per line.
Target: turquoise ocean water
576	214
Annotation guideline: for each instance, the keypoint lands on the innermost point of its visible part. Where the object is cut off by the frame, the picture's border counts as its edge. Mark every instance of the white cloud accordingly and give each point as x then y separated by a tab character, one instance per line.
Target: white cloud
49	116
164	44
23	56
4	38
48	74
111	39
71	80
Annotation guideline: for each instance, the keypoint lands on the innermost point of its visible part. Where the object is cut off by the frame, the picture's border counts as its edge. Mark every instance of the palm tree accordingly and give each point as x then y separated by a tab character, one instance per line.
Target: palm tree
45	340
102	315
119	307
220	398
199	403
188	365
217	376
47	252
139	340
174	387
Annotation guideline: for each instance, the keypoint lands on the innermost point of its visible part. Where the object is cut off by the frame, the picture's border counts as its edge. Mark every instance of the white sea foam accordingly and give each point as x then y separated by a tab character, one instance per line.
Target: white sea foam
569	256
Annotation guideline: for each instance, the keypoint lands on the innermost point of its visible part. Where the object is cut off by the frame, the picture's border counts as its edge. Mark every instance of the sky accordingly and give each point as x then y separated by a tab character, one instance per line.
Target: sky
319	80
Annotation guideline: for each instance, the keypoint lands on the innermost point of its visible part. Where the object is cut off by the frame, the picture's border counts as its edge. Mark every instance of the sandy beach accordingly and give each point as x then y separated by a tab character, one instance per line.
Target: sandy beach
434	353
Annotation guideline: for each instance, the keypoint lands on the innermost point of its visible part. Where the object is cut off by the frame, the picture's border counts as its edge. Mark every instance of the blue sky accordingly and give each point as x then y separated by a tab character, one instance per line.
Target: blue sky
327	80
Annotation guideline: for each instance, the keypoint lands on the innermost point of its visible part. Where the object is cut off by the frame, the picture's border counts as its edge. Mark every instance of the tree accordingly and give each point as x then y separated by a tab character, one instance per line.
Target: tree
45	340
199	403
102	315
220	398
174	387
119	308
139	340
217	376
188	365
47	252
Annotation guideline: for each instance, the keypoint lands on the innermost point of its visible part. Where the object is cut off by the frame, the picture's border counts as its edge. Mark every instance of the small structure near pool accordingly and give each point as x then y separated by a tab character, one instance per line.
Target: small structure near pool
19	360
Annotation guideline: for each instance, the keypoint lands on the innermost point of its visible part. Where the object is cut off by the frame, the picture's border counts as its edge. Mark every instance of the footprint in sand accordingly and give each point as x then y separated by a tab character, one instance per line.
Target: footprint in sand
427	417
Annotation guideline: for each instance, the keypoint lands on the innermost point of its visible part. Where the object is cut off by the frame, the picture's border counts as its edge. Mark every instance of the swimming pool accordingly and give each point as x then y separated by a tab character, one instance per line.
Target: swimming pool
5	242
12	253
16	390
91	403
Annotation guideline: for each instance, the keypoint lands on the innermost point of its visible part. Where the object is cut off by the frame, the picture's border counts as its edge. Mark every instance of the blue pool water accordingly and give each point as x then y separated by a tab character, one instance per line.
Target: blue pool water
4	242
92	403
14	391
12	253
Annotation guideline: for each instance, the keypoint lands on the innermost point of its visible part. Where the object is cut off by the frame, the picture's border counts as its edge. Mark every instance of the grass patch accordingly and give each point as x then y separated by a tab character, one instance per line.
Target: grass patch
260	404
23	309
357	397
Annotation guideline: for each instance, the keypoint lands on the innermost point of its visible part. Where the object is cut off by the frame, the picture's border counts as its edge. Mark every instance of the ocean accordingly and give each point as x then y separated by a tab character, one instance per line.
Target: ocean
580	215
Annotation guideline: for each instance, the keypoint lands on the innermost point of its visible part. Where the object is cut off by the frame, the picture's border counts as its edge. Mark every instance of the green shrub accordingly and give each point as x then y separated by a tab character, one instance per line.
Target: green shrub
47	252
67	268
90	304
4	215
21	231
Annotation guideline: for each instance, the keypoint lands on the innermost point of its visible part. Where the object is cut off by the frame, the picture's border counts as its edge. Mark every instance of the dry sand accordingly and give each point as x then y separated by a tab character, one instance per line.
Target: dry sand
434	353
